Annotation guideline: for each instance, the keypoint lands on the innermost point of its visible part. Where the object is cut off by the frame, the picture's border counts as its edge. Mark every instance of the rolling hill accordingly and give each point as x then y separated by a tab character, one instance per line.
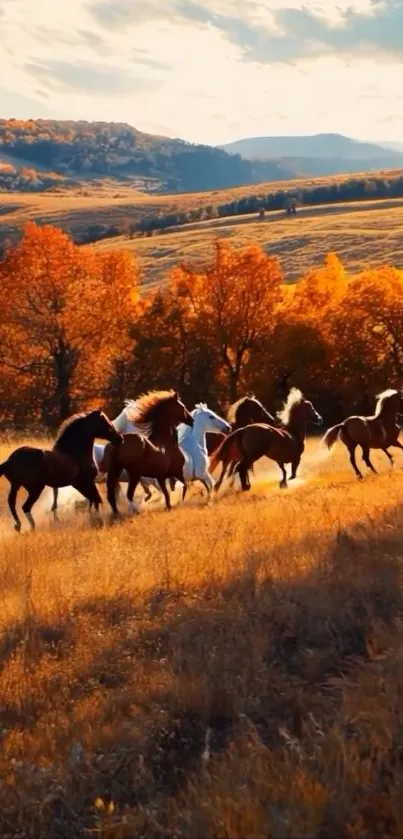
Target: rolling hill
85	150
38	155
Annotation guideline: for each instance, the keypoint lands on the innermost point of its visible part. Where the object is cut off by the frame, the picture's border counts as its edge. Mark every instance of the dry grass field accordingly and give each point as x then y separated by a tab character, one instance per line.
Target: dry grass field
232	671
365	233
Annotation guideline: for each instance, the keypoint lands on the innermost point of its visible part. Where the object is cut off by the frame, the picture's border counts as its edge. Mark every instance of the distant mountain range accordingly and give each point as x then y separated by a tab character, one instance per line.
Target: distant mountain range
320	154
43	154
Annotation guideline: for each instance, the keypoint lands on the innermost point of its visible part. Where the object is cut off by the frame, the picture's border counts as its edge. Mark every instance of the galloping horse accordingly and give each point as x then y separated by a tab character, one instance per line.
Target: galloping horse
158	413
192	442
246	410
124	424
283	445
69	463
377	432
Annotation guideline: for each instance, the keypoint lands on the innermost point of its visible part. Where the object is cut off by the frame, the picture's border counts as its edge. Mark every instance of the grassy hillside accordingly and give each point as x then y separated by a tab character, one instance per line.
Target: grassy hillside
366	233
88	150
245	682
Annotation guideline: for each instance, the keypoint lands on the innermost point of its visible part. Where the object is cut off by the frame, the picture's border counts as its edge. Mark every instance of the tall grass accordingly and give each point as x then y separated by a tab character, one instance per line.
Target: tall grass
233	671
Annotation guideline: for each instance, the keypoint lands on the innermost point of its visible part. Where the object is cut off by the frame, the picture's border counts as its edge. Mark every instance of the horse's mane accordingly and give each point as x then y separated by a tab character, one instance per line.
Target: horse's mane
233	409
382	398
147	408
295	397
73	432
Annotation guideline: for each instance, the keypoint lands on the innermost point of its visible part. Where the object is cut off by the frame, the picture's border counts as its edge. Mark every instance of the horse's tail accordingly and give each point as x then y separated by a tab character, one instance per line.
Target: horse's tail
332	435
228	451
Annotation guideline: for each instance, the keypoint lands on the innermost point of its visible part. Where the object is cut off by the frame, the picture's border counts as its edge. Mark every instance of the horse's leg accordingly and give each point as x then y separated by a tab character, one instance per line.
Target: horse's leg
351	448
221	478
366	459
242	469
12	498
131	489
112	482
388	455
208	483
54	505
161	483
147	490
33	496
283	483
294	466
184	491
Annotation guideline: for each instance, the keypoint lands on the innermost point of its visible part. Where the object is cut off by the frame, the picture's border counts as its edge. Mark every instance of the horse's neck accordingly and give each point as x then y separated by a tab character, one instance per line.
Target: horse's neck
297	430
199	437
79	449
387	416
122	423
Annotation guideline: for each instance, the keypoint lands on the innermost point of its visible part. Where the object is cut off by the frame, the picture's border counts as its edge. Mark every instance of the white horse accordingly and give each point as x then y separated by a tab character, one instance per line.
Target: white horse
192	442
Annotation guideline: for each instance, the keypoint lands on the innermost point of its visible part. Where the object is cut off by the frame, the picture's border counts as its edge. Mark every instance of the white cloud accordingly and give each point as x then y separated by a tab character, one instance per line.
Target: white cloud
207	70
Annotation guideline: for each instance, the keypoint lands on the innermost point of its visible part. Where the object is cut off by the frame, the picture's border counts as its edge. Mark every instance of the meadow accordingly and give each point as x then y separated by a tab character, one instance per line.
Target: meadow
362	235
232	671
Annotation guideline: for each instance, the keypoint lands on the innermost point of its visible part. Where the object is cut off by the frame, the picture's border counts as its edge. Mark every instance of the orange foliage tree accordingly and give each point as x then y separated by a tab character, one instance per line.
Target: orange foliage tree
60	309
232	303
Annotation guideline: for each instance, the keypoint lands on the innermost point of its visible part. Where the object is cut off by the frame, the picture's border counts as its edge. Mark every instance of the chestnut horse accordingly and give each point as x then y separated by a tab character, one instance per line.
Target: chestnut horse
377	432
138	457
69	463
246	410
245	446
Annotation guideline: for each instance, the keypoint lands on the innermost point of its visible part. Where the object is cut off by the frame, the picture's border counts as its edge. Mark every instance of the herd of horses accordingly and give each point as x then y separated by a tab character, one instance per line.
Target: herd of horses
156	440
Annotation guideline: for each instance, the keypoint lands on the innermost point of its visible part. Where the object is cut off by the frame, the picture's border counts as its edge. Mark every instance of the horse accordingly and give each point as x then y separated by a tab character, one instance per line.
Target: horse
245	446
69	463
192	442
124	424
377	432
158	413
246	410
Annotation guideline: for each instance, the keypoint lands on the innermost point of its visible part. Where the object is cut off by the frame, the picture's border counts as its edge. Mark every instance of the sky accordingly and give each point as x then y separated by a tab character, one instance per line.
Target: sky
207	71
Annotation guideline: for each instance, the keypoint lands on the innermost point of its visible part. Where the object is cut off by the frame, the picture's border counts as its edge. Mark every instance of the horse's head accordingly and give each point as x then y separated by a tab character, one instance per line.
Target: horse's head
102	427
311	414
207	420
178	412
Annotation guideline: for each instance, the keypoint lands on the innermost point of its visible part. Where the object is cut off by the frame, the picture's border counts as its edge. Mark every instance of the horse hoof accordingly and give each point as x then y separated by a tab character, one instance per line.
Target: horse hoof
283	485
17	528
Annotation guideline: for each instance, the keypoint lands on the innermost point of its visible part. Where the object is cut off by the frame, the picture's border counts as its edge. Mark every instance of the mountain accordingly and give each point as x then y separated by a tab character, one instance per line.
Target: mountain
336	153
83	150
391	145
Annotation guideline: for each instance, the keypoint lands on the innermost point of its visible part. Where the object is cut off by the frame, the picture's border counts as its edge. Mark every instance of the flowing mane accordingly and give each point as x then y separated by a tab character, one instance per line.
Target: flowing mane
383	398
148	408
295	397
233	409
75	432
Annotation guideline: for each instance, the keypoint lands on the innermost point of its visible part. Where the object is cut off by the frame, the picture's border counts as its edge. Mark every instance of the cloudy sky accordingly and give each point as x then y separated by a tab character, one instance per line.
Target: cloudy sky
207	70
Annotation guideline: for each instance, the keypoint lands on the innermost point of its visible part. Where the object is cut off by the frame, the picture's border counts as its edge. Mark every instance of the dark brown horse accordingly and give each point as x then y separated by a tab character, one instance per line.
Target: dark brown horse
69	463
245	446
139	457
246	410
377	432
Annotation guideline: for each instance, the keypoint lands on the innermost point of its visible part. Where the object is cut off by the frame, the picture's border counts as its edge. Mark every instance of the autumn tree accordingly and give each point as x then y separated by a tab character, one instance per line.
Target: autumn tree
60	308
232	303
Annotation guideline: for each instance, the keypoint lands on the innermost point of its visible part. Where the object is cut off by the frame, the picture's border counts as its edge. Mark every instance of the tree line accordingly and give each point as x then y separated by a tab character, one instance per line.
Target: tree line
78	331
345	190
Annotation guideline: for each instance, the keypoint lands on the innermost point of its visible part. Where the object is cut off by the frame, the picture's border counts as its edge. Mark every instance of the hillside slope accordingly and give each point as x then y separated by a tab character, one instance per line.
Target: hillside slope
101	149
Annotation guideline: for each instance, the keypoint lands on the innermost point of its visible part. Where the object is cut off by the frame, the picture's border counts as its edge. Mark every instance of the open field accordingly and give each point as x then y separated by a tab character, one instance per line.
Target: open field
233	671
364	233
111	202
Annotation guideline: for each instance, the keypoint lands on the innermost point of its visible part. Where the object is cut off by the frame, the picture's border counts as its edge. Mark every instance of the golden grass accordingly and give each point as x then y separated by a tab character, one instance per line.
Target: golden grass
363	234
232	671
